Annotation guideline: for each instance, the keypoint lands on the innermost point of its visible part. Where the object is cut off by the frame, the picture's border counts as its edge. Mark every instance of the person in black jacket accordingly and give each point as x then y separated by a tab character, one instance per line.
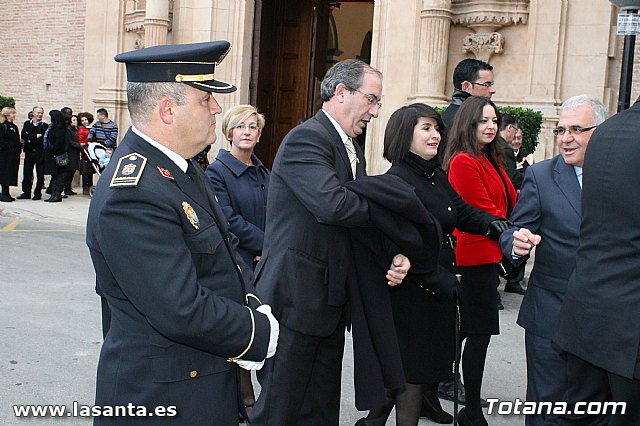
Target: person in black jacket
33	136
9	153
423	317
471	77
74	154
58	144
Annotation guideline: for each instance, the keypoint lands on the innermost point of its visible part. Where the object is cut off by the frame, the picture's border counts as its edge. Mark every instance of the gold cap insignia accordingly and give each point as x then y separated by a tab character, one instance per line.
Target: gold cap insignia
191	214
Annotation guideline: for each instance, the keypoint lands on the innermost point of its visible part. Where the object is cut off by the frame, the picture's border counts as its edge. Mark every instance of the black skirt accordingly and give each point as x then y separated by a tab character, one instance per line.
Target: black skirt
479	310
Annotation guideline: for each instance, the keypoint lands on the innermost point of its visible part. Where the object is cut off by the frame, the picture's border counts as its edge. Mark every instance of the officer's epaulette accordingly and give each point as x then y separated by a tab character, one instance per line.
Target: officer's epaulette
129	170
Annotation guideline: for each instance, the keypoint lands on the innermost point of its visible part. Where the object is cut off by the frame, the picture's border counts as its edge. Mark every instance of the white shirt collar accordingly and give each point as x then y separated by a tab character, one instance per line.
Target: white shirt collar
180	162
343	135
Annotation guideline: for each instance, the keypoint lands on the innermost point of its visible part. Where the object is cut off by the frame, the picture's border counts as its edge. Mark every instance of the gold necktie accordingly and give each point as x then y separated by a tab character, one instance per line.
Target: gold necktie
351	152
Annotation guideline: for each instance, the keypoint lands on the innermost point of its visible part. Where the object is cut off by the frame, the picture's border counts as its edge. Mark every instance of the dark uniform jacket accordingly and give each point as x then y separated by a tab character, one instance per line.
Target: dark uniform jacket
600	316
157	244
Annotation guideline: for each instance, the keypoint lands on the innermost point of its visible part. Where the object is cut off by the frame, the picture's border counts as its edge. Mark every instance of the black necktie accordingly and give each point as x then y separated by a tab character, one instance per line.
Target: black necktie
193	174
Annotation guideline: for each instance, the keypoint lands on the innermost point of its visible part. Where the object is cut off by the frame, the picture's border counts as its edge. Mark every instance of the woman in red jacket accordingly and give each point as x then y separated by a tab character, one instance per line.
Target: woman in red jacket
474	161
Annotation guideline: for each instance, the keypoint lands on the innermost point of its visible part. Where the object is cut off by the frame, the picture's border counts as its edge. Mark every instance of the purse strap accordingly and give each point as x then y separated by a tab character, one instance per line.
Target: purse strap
504	182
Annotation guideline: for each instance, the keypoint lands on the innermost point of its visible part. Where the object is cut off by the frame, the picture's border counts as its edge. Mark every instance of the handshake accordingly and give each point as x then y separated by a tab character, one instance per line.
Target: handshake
273	341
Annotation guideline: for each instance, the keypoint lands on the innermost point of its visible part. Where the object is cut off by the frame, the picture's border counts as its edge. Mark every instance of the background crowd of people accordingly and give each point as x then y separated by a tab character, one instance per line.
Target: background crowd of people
57	149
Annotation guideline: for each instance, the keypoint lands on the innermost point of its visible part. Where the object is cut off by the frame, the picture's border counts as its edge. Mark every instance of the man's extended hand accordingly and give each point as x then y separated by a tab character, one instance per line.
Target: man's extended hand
524	240
398	270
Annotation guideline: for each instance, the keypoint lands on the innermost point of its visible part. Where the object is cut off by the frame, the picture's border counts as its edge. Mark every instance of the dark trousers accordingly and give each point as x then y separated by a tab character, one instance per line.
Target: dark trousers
546	376
32	160
301	383
589	383
58	181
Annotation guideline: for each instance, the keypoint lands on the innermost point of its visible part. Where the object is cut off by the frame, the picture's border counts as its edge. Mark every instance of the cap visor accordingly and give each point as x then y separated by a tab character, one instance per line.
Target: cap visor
213	86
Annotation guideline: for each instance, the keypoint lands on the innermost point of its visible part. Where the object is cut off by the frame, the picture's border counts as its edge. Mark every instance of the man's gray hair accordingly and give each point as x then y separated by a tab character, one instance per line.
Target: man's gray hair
143	97
349	72
600	112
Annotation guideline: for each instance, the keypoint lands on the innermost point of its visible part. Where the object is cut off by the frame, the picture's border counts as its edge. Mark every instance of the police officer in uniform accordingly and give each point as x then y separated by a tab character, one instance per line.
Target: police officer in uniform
184	314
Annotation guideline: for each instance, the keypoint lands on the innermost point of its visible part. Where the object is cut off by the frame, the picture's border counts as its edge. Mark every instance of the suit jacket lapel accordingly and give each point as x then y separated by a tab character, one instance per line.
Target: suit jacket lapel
335	139
566	179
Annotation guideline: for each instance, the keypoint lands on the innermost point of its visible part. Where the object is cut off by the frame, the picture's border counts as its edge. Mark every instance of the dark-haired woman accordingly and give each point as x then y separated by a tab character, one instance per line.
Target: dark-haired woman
422	308
475	165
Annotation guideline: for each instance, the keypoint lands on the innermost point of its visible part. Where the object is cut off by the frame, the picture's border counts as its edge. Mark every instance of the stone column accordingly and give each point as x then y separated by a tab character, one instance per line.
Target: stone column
156	23
432	51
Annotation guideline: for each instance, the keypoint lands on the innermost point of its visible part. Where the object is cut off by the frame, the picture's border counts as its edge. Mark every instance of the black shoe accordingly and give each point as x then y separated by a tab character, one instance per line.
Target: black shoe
70	192
465	420
445	391
37	197
6	198
514	287
55	199
433	410
65	196
23	196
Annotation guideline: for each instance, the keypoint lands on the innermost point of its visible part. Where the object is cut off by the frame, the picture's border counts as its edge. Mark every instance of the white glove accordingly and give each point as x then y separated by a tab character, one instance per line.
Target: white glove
249	365
275	330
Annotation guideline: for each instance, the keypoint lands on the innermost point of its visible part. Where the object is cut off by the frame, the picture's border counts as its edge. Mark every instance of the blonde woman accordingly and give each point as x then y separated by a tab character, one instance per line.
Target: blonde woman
9	152
241	183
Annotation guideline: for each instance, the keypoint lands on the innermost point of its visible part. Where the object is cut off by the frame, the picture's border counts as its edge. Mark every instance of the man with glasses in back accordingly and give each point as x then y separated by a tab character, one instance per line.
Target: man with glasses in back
471	77
549	205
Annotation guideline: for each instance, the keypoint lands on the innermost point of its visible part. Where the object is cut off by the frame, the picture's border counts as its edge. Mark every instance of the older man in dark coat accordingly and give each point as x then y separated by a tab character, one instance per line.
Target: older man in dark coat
599	323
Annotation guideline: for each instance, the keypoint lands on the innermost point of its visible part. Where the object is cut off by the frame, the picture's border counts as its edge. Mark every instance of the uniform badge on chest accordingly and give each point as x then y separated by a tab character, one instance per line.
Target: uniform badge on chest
191	214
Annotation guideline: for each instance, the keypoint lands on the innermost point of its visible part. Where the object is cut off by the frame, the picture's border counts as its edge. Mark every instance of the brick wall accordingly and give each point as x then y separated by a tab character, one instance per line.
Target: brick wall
42	66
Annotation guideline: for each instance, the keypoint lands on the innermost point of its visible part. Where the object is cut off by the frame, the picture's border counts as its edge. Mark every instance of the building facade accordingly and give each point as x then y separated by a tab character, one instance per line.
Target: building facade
543	51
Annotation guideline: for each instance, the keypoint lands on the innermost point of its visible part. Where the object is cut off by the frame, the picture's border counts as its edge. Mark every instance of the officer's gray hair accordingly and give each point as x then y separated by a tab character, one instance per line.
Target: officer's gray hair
143	97
600	112
349	72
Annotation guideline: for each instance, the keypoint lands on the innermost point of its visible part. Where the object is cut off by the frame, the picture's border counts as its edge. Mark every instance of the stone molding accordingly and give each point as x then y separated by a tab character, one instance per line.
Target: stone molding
135	19
485	18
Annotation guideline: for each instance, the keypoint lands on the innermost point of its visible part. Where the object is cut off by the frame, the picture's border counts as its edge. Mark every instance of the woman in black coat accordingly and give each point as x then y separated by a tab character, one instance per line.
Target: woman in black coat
9	153
422	308
74	155
57	144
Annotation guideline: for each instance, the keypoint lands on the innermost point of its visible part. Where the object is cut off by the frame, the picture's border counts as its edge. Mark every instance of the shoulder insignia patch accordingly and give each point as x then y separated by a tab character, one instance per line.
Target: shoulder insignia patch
129	170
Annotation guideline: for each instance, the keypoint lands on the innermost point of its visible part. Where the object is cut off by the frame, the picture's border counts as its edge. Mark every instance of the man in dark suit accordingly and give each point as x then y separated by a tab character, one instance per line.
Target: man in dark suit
307	259
183	316
549	205
599	321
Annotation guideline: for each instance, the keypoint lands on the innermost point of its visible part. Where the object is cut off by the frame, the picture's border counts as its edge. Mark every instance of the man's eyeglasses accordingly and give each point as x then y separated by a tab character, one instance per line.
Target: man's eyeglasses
574	130
372	99
485	84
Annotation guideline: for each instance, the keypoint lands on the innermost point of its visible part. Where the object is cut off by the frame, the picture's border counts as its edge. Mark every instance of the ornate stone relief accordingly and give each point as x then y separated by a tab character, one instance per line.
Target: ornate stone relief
135	16
485	18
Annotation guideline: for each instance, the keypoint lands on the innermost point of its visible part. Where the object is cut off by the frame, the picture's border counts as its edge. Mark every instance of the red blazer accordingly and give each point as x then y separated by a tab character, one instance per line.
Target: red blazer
478	183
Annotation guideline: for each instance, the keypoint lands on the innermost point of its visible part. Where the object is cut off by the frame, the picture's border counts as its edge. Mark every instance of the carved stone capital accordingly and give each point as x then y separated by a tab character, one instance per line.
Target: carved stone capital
486	16
483	45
